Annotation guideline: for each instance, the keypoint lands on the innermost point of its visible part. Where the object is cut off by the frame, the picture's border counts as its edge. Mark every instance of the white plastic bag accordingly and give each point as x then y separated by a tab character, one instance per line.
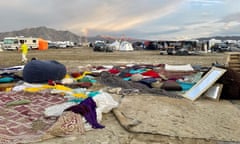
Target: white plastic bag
57	110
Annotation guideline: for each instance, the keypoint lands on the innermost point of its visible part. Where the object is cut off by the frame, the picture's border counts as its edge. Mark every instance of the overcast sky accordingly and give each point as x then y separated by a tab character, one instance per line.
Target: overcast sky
148	19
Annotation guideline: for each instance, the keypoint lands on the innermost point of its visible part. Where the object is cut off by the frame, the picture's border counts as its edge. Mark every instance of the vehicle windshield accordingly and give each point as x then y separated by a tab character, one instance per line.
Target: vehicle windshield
10	41
99	43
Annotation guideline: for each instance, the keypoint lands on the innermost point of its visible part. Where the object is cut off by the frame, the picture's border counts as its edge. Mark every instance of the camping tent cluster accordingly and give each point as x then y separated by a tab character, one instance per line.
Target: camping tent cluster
121	46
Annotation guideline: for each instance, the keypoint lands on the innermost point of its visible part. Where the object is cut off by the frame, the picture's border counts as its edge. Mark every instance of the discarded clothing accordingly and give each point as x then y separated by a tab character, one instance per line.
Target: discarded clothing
148	81
171	86
115	81
151	73
6	79
87	108
68	123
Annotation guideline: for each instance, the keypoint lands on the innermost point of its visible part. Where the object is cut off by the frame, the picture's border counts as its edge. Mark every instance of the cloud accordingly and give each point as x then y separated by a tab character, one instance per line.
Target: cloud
152	19
231	17
206	2
122	16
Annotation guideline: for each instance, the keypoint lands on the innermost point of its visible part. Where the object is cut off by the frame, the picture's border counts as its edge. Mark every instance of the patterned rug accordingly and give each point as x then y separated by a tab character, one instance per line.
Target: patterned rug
21	116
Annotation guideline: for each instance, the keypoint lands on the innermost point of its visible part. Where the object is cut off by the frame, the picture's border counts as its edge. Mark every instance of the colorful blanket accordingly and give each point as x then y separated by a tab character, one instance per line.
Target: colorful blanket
21	116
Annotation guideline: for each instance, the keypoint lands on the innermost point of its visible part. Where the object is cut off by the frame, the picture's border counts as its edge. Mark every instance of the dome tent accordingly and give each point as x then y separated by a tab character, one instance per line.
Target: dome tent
115	45
125	46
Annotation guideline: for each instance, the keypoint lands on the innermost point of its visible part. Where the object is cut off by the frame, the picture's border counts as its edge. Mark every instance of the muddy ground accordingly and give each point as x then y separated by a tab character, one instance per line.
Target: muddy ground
114	133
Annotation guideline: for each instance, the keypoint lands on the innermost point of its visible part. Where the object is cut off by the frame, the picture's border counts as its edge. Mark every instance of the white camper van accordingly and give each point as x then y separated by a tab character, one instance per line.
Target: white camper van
13	43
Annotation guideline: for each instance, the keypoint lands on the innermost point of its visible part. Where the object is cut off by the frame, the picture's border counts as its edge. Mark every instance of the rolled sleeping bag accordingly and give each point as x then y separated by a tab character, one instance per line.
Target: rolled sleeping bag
40	71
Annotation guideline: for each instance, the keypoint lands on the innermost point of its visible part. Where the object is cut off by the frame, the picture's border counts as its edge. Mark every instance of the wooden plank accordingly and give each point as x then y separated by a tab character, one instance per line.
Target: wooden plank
233	60
232	53
236	69
233	64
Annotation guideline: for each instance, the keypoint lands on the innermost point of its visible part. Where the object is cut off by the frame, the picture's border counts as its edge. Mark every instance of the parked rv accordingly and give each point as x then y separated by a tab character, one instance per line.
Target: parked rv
69	44
13	43
64	44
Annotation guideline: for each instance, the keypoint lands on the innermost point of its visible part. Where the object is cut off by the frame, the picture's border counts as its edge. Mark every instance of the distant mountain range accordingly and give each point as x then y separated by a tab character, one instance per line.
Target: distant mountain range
43	32
54	35
58	35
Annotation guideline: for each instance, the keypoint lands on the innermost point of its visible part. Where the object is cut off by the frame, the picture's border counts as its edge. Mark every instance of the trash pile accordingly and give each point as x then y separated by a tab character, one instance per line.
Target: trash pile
61	103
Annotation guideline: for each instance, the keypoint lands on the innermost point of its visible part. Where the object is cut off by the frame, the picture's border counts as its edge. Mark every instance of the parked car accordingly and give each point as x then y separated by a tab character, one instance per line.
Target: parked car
222	47
182	51
177	51
52	45
102	47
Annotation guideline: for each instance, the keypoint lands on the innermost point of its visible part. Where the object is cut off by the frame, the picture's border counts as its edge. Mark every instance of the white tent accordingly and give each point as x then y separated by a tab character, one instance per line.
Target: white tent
115	45
125	46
